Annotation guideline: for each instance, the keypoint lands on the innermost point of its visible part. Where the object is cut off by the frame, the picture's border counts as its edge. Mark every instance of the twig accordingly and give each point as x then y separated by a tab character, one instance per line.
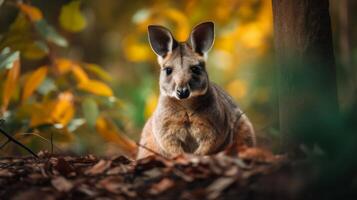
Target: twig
152	151
42	138
3	145
175	170
9	137
51	142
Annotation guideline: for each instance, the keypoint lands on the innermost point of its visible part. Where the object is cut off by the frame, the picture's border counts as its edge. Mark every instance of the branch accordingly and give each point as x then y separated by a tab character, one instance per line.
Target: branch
10	138
5	143
152	151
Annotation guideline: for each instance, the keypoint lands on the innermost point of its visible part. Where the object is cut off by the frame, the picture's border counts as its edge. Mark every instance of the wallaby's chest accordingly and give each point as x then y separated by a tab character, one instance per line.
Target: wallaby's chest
190	128
193	124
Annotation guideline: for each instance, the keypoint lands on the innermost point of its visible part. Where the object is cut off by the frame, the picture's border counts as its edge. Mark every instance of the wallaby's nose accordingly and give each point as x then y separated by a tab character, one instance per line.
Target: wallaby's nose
183	92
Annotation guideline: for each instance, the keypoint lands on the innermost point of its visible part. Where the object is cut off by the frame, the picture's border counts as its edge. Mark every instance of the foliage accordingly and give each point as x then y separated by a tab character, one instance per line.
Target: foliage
58	42
53	91
45	99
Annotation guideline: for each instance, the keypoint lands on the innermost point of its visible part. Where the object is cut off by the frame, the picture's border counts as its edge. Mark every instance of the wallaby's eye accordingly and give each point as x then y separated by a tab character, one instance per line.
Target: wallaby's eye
196	69
168	70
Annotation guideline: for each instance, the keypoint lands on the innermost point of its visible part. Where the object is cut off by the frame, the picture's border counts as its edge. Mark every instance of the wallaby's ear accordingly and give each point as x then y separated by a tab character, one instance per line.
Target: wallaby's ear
161	40
202	37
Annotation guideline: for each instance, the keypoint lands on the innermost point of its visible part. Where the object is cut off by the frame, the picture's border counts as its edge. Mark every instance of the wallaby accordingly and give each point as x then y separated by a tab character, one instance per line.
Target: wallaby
193	115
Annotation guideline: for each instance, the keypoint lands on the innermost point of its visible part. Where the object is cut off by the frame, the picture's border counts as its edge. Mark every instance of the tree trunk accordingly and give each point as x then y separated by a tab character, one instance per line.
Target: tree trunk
306	69
348	89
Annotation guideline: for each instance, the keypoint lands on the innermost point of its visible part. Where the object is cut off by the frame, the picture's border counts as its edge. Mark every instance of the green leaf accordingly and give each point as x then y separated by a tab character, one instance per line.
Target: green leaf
47	86
48	32
35	50
75	124
71	18
98	71
90	111
7	58
21	37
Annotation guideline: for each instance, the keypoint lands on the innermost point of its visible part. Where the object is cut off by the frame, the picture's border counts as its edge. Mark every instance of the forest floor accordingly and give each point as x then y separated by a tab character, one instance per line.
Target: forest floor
255	174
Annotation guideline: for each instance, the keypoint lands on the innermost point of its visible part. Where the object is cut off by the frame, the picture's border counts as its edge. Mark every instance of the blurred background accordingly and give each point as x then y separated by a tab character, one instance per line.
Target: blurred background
82	72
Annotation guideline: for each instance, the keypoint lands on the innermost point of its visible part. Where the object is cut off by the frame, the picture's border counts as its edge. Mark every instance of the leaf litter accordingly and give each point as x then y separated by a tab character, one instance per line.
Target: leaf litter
155	177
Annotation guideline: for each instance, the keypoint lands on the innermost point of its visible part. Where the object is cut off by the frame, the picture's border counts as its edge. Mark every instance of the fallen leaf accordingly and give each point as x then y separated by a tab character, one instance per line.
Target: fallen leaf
99	168
161	186
62	184
64	168
258	155
5	173
216	188
112	184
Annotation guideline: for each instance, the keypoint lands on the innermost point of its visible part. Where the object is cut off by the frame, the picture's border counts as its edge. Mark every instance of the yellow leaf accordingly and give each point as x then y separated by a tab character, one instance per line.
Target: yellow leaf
71	18
32	51
101	73
41	113
59	111
33	81
96	87
63	65
108	130
180	18
135	50
32	12
237	89
80	75
150	106
19	37
10	84
63	110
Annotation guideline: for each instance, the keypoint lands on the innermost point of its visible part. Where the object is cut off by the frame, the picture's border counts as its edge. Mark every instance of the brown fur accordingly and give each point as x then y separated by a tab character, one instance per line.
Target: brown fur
206	122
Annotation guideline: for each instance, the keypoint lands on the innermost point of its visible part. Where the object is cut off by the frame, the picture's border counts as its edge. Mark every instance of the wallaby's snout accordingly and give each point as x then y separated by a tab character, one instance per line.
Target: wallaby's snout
183	73
182	92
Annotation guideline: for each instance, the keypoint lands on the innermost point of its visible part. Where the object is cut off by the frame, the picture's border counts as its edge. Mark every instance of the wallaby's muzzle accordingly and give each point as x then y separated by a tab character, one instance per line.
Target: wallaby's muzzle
183	92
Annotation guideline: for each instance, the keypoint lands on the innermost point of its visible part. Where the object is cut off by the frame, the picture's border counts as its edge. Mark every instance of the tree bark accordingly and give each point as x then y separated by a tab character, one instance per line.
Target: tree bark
348	89
306	69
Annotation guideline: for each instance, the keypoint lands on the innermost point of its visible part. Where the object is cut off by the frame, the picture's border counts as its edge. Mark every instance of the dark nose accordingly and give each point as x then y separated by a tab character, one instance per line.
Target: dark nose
183	93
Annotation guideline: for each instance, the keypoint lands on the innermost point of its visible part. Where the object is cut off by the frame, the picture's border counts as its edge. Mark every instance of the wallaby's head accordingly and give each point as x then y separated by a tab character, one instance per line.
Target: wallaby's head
183	73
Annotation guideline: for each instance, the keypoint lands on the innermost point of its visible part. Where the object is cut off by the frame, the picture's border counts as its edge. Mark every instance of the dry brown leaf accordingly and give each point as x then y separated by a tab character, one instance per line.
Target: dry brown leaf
62	184
112	184
99	168
161	186
5	173
64	168
258	155
218	186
